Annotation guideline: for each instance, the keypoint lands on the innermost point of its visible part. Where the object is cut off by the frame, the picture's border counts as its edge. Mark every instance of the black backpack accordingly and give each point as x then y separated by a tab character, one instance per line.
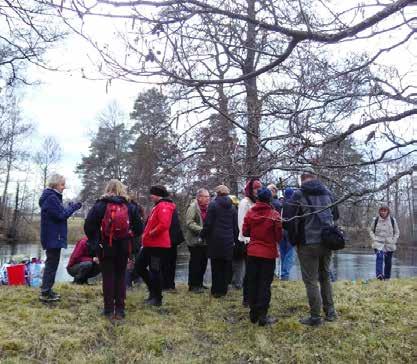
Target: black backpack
392	224
332	237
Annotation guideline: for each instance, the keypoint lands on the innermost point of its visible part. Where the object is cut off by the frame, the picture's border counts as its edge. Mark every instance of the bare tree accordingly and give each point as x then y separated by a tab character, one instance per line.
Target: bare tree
48	155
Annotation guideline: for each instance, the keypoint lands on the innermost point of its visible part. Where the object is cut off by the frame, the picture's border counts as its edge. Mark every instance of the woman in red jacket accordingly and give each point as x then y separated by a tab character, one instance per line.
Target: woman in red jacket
81	264
156	242
263	225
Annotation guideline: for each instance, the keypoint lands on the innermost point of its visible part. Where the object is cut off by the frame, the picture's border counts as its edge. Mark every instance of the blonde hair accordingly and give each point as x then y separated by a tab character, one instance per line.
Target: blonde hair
55	179
116	188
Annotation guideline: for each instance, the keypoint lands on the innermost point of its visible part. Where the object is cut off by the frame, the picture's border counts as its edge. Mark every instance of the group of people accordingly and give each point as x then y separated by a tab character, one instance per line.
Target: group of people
242	243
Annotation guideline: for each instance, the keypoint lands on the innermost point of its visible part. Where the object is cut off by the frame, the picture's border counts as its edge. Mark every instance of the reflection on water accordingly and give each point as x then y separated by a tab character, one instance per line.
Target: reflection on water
348	265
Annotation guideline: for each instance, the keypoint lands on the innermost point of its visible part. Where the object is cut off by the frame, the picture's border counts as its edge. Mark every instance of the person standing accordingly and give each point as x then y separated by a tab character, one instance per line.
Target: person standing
112	225
170	261
286	248
54	216
81	264
305	231
194	219
220	230
384	233
239	263
263	225
156	242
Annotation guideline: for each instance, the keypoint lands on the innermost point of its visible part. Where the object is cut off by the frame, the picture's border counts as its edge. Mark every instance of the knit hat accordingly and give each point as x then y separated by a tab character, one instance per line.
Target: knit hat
264	195
222	190
288	192
159	190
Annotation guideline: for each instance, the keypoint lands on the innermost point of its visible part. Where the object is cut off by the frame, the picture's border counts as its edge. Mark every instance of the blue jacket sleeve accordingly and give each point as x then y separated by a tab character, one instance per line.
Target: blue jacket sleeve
56	210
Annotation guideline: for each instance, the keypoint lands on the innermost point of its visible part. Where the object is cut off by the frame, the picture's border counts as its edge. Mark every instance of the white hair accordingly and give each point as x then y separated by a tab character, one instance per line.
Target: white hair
55	179
201	191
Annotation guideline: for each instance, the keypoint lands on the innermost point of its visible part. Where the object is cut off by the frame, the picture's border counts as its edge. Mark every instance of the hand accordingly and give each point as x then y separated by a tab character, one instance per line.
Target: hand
95	260
76	206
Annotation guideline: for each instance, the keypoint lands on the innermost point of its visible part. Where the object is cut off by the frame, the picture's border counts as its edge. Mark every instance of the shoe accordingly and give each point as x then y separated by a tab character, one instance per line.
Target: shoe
54	294
49	297
204	287
253	316
311	321
120	315
331	317
196	289
218	295
107	314
267	321
380	277
245	303
154	302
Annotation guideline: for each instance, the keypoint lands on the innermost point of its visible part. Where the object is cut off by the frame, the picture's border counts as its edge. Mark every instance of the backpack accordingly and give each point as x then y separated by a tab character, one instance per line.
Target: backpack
332	237
392	224
115	223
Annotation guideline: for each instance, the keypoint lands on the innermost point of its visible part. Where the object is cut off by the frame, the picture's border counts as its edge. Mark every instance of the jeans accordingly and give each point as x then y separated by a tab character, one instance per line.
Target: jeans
148	266
381	258
287	255
197	265
51	266
315	266
168	268
113	271
221	270
84	270
260	273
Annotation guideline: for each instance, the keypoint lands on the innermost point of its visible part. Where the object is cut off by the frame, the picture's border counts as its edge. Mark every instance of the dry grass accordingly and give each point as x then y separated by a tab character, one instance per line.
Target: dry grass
377	324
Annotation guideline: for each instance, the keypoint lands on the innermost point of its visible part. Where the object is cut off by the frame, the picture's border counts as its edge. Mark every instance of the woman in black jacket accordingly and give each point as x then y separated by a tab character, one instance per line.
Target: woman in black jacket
221	232
112	225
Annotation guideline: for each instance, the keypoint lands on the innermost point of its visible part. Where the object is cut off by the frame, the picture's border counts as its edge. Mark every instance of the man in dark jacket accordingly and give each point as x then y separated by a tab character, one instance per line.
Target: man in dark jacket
305	232
221	232
81	264
54	218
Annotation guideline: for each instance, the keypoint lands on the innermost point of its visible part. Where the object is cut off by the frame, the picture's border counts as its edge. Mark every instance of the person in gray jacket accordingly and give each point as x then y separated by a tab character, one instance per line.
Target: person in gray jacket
311	200
194	220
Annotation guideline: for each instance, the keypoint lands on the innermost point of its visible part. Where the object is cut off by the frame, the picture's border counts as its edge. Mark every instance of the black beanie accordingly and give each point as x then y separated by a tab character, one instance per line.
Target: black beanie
159	190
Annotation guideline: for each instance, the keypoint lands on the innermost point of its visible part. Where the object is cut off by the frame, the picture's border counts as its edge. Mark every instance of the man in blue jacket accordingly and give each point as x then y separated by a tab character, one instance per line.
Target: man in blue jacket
310	204
54	218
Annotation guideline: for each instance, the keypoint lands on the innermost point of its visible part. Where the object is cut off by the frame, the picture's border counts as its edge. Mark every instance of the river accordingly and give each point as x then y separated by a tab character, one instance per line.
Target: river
346	265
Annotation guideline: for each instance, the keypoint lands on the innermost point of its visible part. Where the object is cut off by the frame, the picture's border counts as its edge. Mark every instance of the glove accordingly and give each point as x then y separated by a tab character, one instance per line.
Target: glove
75	206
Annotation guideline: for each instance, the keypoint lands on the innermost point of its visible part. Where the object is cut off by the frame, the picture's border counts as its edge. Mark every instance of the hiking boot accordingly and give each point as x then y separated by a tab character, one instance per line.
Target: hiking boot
107	314
253	316
330	317
54	295
380	277
267	321
49	297
120	315
154	302
196	289
311	321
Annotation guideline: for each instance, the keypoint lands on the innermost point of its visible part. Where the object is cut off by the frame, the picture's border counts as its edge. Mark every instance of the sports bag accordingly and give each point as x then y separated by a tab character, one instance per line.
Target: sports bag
115	224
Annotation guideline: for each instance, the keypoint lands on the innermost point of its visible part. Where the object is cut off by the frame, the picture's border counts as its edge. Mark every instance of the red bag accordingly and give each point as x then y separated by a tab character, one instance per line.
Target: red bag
115	224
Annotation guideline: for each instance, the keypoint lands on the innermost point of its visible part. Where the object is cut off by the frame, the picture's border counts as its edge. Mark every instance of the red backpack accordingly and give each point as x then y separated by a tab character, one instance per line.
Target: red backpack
115	223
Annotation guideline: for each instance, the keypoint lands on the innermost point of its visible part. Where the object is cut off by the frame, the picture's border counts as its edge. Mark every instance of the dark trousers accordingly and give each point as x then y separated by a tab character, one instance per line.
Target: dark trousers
113	270
197	265
381	258
51	266
84	270
168	268
315	268
259	273
221	271
148	266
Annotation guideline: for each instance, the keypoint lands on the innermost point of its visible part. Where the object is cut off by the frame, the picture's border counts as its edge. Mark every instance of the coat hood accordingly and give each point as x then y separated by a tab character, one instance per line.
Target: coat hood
224	201
263	207
48	192
315	188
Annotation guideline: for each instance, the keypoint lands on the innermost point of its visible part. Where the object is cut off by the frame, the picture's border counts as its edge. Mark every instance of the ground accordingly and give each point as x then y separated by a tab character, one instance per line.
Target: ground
377	324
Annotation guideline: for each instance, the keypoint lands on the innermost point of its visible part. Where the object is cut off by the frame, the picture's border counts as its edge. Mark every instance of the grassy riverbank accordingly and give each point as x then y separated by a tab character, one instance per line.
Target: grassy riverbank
378	324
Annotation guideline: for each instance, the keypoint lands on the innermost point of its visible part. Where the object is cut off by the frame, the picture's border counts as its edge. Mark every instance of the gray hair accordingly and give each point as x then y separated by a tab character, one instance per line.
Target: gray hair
55	179
201	191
